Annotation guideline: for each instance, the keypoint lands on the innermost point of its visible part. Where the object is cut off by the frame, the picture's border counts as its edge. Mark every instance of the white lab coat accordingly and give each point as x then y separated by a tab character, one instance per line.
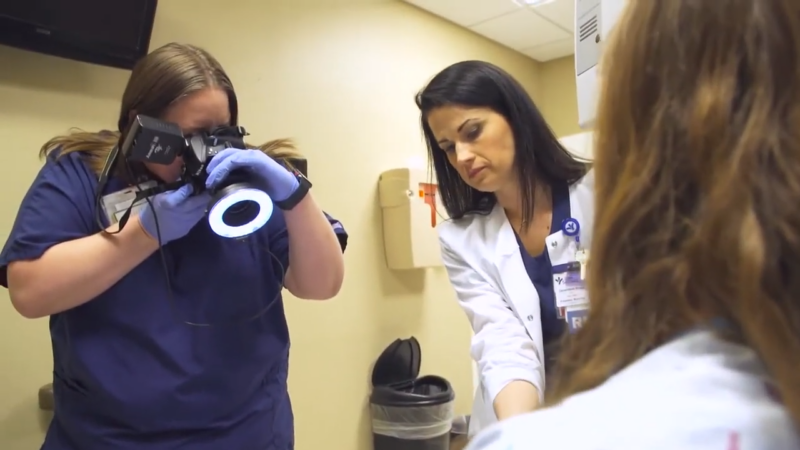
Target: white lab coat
485	267
695	393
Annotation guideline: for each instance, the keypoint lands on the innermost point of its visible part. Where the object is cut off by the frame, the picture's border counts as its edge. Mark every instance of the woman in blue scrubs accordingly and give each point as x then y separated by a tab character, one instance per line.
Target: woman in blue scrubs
130	372
509	188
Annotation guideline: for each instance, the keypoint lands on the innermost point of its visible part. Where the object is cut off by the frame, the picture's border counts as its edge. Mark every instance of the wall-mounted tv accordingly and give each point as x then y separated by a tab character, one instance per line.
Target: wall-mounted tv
113	33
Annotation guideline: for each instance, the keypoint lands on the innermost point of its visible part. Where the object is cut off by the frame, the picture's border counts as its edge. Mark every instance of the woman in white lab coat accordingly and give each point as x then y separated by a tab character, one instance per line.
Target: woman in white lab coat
693	339
521	208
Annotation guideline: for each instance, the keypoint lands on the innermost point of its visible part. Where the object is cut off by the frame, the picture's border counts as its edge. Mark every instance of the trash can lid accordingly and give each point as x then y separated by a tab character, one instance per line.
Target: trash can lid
398	363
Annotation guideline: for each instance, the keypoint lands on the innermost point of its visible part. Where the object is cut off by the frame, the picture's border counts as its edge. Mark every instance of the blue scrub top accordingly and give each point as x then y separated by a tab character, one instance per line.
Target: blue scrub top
540	271
128	373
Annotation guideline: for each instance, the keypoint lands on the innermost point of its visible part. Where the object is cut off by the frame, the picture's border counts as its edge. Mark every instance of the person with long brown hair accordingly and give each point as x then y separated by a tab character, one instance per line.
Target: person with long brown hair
166	335
693	339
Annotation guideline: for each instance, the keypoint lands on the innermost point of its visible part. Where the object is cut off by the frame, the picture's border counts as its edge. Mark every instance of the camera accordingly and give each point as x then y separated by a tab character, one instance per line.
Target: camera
238	206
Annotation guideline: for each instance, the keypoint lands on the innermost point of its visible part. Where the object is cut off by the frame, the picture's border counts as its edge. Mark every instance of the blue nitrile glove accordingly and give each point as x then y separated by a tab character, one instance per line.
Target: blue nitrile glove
279	182
177	212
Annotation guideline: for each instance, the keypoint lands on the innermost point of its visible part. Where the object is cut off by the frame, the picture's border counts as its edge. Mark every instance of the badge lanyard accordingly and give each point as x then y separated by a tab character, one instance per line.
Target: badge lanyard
570	289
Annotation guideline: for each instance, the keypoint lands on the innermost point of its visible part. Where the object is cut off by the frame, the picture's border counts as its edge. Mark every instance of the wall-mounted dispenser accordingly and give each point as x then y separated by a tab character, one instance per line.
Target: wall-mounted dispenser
410	211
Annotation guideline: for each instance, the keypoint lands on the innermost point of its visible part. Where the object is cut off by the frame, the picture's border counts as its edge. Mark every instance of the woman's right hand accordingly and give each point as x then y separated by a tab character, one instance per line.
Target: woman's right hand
171	215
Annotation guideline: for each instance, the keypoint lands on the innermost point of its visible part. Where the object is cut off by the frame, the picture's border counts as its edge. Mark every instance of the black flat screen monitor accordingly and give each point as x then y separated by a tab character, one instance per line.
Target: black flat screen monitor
113	33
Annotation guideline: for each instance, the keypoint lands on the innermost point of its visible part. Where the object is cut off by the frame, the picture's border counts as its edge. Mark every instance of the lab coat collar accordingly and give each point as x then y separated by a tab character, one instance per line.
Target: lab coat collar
500	228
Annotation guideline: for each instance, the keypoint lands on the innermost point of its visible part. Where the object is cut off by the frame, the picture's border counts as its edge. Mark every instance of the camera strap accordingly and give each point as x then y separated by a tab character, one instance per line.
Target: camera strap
120	205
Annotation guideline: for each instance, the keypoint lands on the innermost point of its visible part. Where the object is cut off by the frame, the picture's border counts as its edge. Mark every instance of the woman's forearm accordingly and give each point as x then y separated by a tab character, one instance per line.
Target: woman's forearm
316	264
518	397
74	272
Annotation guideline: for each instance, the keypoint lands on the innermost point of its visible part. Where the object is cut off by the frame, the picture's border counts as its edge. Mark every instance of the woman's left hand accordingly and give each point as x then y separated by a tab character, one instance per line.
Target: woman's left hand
280	182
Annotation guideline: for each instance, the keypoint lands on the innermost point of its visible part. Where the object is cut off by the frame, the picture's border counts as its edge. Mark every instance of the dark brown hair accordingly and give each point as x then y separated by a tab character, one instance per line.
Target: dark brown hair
164	76
538	155
697	188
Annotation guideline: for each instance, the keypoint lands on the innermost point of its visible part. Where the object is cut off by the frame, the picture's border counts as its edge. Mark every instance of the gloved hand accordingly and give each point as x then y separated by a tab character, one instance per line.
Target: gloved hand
175	212
279	182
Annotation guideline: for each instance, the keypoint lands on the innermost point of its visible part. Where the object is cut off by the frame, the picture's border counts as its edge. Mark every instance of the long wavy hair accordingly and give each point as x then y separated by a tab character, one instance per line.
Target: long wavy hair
697	188
164	76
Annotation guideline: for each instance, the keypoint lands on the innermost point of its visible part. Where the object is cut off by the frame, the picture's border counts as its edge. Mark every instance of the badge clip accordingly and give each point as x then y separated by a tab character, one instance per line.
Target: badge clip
582	257
572	228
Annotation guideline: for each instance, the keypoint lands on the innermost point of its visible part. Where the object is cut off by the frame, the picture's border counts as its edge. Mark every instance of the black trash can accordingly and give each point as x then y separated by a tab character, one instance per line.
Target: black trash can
409	413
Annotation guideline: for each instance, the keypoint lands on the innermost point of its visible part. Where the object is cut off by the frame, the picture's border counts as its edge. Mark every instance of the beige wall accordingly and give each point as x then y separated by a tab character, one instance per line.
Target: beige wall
340	79
558	99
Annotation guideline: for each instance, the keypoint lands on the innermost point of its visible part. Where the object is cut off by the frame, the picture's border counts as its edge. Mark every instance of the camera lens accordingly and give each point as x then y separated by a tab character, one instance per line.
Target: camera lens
241	213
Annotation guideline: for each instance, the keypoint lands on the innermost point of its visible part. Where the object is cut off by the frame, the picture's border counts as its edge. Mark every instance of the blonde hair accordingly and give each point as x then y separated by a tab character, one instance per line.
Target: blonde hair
697	181
156	82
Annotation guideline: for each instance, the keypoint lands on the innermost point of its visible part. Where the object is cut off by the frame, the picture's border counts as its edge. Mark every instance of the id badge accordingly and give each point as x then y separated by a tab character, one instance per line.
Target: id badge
568	285
117	203
576	317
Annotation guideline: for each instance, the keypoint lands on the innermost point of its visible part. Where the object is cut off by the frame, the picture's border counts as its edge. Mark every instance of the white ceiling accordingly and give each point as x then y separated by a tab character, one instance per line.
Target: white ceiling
542	30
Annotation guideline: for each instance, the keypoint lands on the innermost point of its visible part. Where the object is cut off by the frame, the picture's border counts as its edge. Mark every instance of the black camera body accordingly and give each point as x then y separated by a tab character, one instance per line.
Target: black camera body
203	147
238	207
155	141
